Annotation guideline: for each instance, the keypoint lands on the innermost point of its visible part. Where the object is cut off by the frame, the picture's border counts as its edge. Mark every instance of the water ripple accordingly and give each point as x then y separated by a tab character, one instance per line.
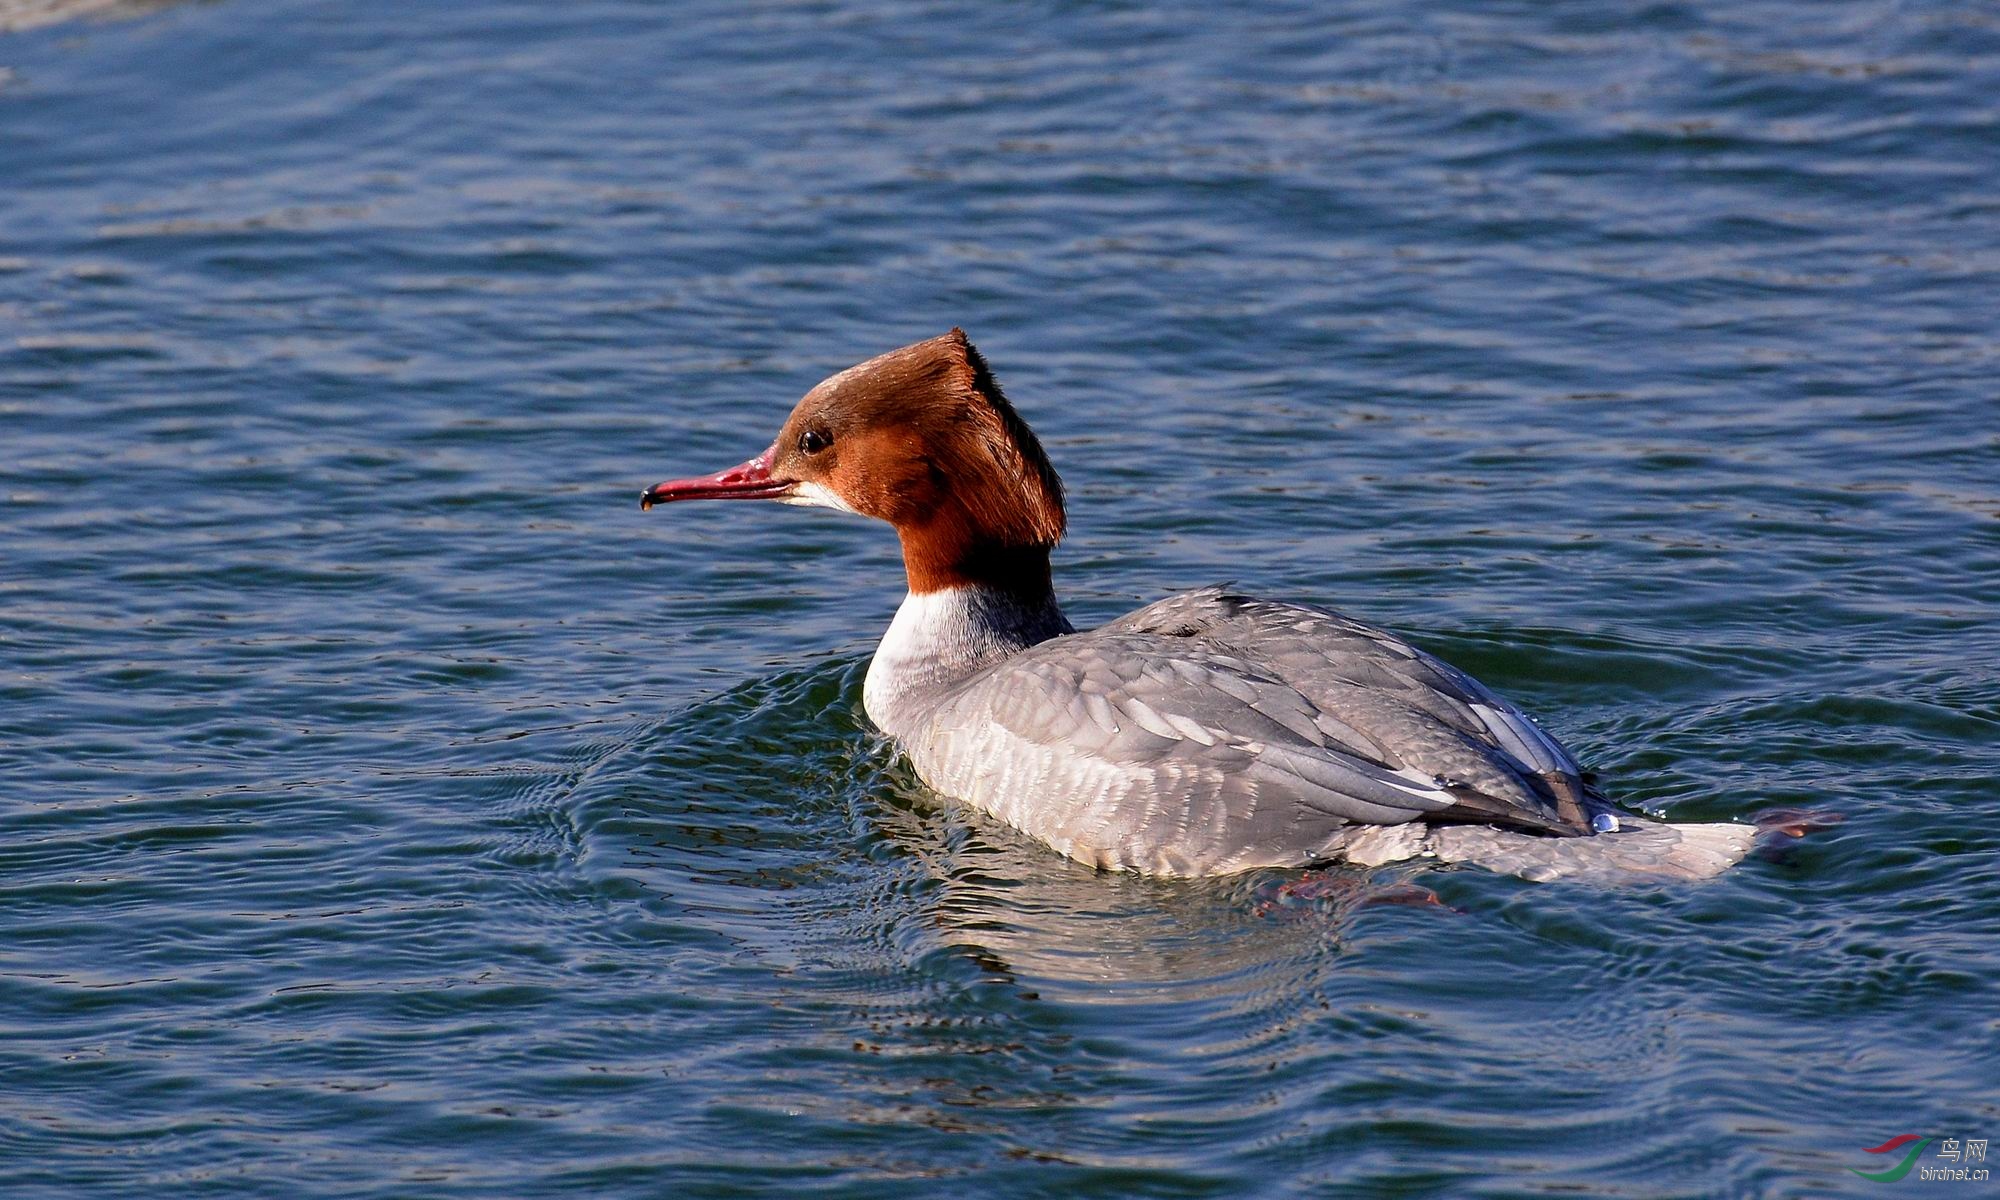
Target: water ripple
393	810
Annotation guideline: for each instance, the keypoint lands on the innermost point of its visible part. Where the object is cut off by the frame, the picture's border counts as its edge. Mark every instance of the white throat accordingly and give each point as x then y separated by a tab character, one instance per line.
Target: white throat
939	639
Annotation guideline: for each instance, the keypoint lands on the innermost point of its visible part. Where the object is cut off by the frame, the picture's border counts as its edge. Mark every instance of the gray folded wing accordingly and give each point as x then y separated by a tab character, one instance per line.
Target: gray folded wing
1212	732
1349	665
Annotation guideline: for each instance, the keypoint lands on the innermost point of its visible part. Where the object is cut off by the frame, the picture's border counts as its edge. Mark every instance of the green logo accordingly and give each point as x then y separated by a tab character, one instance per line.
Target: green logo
1900	1169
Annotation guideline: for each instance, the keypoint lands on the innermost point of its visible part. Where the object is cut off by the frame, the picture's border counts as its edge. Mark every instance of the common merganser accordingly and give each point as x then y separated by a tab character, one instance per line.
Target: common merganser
1208	733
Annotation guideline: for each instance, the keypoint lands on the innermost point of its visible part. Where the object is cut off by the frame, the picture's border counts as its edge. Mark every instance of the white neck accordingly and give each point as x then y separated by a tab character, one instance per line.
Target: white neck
940	638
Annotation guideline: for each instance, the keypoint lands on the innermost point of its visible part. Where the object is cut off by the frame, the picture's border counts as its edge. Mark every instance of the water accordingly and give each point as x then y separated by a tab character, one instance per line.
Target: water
392	809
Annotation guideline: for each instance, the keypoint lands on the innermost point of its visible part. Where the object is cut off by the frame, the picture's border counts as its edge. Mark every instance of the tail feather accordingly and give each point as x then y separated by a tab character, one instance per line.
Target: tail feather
1637	852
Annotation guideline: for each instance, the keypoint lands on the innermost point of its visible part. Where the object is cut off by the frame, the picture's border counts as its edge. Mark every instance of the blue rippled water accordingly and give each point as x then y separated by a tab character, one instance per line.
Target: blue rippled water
389	809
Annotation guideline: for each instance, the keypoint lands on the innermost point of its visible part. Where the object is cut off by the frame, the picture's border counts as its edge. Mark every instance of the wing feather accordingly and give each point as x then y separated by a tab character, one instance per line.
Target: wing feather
1213	732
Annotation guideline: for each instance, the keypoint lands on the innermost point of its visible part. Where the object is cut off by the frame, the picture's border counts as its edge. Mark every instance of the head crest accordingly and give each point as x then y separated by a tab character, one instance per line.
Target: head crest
1012	449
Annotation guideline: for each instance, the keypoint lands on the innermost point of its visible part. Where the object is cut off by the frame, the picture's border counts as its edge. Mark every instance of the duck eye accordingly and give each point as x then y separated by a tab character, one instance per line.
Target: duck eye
812	441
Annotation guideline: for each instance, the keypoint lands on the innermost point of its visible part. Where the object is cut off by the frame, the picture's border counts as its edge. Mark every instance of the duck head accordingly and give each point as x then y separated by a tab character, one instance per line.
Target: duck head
922	438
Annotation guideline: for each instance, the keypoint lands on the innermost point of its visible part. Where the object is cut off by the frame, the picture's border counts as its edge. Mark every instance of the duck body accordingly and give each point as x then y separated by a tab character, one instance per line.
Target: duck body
1208	733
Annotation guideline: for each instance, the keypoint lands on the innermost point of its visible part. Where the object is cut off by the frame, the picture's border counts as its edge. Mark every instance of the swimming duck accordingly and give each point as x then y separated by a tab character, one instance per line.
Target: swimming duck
1210	732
